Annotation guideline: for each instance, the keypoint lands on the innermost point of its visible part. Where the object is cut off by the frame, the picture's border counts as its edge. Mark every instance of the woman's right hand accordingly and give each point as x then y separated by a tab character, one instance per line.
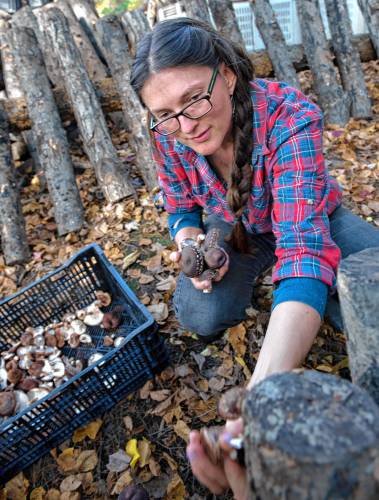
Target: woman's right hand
205	284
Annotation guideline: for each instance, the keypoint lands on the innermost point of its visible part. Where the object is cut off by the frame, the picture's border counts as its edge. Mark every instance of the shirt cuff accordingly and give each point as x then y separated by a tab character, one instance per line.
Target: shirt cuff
186	219
310	291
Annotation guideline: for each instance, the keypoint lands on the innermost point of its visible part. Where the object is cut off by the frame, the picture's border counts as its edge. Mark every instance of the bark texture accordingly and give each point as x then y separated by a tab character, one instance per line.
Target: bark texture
348	60
111	174
114	42
310	435
274	40
226	20
95	68
332	98
12	86
105	91
135	25
198	9
25	17
370	9
12	225
358	289
50	137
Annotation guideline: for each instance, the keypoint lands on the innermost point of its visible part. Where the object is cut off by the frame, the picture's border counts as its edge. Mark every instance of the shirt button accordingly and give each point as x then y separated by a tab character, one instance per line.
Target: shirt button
309	202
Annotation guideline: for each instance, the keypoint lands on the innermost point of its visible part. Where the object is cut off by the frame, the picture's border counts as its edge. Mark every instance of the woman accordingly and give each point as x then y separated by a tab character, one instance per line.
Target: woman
248	152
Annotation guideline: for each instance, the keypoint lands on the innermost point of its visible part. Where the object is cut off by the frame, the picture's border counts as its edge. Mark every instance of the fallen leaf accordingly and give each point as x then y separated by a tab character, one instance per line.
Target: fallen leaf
87	460
118	462
124	480
132	451
161	395
159	311
70	483
154	467
167	284
128	422
154	264
171	462
130	259
17	487
216	384
324	368
144	393
145	279
175	489
38	493
182	430
53	494
236	337
89	430
70	495
145	452
246	370
67	460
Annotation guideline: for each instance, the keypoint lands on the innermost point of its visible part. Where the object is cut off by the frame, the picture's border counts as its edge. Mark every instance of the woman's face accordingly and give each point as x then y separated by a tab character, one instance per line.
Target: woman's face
170	90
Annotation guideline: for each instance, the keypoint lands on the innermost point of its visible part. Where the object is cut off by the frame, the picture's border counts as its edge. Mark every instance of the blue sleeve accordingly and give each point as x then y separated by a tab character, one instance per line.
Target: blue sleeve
310	291
186	219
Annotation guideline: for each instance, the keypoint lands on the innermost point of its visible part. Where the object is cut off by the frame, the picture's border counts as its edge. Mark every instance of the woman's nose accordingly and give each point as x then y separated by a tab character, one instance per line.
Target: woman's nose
186	124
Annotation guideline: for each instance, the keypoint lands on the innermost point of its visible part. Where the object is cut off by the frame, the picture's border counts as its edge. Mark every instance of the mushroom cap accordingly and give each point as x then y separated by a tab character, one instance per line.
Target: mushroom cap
7	403
192	261
78	326
94	318
104	298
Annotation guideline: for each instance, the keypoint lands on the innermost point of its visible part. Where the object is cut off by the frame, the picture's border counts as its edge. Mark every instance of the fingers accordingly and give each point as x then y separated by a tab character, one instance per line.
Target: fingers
237	478
201	285
223	269
175	256
212	476
233	428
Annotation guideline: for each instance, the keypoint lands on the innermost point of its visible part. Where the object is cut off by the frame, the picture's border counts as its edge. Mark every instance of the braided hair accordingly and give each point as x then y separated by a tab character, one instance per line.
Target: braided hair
188	42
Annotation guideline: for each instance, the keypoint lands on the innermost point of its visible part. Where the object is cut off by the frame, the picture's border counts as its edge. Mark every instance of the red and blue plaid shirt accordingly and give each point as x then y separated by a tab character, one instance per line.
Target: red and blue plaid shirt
292	193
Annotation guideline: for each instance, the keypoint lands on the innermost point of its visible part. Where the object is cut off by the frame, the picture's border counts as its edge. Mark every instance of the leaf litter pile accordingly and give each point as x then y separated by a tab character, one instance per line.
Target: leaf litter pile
142	439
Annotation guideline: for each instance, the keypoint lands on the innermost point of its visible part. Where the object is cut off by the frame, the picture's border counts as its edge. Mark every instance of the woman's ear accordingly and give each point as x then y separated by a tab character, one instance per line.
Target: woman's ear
229	77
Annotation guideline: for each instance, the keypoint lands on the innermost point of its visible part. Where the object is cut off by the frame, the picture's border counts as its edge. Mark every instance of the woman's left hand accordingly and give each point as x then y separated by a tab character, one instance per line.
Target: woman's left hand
218	478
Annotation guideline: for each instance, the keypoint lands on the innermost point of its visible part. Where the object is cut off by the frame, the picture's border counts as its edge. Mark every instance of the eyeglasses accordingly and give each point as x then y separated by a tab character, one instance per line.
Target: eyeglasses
195	110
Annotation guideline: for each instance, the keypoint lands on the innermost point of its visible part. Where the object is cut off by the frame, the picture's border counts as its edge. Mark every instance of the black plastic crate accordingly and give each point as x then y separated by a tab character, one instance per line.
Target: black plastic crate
30	434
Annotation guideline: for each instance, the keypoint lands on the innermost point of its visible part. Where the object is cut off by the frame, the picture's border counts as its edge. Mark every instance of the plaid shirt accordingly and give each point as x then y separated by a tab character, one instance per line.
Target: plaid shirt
292	193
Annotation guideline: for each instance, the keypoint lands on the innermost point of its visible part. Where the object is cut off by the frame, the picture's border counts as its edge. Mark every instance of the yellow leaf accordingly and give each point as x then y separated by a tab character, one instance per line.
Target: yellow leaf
344	363
89	430
67	460
324	368
130	259
132	451
246	370
236	338
17	487
38	493
182	430
144	451
175	489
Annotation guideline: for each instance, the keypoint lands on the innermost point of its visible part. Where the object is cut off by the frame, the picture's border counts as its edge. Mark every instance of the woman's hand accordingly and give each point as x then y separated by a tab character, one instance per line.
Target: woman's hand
205	284
218	478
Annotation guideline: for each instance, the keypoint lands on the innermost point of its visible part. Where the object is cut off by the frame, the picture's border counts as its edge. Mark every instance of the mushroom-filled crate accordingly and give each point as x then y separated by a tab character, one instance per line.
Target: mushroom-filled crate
72	345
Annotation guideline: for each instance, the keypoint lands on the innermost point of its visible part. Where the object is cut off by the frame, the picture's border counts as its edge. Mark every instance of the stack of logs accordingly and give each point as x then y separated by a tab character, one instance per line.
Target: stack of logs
61	62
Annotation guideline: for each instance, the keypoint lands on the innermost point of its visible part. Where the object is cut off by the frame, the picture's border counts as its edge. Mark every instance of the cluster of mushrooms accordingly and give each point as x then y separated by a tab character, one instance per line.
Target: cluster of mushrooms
202	258
35	365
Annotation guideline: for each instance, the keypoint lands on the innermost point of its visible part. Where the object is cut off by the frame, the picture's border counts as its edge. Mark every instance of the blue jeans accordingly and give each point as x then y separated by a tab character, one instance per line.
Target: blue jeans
208	315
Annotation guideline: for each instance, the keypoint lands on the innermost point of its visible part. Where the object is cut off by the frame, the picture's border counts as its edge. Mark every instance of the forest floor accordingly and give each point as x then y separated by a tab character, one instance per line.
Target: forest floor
135	240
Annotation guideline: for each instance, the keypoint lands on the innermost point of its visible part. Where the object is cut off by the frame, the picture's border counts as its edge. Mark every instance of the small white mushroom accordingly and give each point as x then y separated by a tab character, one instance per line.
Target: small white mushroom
68	317
94	318
78	326
36	394
81	314
25	362
58	370
24	350
94	357
39	340
22	401
85	338
118	341
3	377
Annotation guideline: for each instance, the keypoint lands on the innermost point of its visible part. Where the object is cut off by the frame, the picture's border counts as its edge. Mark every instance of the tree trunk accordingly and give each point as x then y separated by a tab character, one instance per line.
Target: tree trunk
310	435
226	20
12	225
198	9
95	68
85	13
111	174
12	86
273	38
114	42
25	17
370	9
105	91
358	289
333	100
50	137
135	25
348	59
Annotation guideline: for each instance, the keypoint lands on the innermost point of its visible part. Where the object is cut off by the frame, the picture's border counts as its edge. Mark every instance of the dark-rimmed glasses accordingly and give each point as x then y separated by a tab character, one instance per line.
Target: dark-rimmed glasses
195	110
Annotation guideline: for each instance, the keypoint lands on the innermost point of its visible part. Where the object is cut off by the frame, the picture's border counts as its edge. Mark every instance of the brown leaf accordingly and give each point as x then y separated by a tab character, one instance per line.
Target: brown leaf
128	422
144	451
159	311
144	393
182	430
216	384
38	493
161	395
70	495
53	494
236	338
67	460
183	371
154	467
145	279
171	462
154	264
90	430
70	483
87	460
124	480
176	489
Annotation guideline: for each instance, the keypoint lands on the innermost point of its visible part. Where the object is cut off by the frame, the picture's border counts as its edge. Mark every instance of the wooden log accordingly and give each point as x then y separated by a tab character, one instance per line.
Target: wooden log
332	98
12	224
111	173
226	20
348	60
25	17
95	68
85	13
119	61
135	25
310	435
50	137
12	86
358	290
105	91
198	9
269	29
370	10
